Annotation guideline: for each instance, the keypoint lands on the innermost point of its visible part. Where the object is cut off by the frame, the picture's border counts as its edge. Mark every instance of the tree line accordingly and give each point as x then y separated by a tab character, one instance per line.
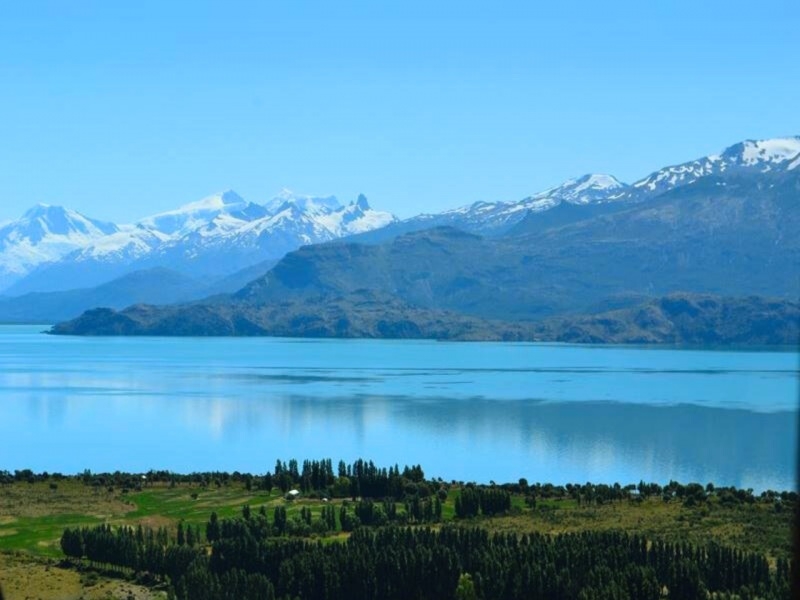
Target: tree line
398	562
363	479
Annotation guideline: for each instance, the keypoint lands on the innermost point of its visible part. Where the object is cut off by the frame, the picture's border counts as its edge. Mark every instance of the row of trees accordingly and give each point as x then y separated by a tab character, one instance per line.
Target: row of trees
359	479
690	493
363	479
126	548
489	501
421	563
348	517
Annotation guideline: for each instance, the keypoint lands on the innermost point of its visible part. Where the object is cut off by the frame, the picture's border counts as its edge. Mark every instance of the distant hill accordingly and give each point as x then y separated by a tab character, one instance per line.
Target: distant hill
158	285
236	281
685	319
677	319
361	314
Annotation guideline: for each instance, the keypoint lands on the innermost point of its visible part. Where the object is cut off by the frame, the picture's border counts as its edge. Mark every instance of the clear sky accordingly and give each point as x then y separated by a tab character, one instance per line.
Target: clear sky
123	109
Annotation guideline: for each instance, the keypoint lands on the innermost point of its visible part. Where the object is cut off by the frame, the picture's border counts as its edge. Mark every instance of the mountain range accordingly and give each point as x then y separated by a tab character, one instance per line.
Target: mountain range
748	158
52	248
723	225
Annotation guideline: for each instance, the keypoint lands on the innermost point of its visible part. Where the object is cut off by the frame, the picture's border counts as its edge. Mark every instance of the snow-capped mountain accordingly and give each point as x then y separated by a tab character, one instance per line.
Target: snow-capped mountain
215	236
328	218
45	233
312	204
218	213
51	248
498	216
748	157
751	157
194	215
495	218
243	237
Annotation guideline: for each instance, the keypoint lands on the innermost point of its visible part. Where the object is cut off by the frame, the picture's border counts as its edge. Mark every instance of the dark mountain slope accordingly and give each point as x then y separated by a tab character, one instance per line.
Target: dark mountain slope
730	238
439	268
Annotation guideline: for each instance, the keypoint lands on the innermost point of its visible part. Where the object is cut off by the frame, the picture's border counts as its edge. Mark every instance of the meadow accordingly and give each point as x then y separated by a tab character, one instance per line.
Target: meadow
34	514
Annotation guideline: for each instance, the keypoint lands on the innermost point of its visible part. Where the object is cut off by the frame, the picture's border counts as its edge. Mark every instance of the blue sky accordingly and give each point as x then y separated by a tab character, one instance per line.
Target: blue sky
125	109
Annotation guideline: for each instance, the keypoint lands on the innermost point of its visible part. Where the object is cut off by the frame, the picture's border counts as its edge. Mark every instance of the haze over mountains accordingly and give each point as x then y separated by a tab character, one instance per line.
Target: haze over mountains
723	225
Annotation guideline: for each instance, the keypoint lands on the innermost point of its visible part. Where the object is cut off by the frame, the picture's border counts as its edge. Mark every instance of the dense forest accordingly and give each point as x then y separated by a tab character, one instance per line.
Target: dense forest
424	563
246	561
388	539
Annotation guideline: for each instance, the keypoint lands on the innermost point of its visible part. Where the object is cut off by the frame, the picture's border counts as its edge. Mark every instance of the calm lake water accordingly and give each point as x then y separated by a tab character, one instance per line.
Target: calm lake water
464	411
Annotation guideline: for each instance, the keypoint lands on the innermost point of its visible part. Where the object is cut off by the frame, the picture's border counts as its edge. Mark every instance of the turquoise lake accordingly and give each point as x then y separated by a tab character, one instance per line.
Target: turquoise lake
464	411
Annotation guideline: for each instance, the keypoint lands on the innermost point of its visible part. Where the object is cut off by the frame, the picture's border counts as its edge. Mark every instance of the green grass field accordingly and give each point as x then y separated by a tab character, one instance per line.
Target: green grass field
33	517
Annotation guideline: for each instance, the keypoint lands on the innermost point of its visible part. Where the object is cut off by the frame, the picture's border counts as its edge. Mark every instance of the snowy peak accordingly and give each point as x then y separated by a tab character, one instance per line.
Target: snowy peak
41	210
597	181
44	220
589	188
45	233
230	197
359	217
306	204
362	203
194	215
750	156
318	219
495	217
215	202
763	153
46	224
